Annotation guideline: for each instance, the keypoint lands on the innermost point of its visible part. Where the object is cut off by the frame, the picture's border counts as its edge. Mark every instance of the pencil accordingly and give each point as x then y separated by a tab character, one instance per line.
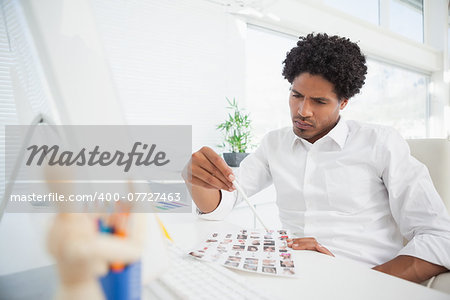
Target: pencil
241	191
163	228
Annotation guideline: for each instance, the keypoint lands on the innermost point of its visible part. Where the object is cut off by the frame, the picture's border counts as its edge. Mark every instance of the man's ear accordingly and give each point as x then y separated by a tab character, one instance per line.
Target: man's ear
343	104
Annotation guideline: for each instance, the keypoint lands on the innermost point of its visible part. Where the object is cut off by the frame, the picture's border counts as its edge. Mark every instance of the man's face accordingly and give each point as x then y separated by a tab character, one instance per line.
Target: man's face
314	106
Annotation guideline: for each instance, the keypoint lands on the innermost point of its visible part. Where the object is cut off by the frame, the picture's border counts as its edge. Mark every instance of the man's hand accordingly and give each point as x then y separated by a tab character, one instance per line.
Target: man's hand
308	243
410	268
205	175
208	170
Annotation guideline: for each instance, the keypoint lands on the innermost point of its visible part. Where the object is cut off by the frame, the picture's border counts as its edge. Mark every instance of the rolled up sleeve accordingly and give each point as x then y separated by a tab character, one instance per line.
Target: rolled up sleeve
227	202
415	204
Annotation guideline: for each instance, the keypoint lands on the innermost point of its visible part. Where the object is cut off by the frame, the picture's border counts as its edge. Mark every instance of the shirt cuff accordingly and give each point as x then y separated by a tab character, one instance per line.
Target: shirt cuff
431	248
225	206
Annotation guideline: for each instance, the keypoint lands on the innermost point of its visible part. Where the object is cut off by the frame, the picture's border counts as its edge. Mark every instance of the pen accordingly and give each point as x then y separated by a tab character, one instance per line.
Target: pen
120	230
241	191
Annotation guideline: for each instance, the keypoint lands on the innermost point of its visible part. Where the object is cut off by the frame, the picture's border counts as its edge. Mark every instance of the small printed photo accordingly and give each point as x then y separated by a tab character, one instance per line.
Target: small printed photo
196	254
241	241
285	255
269	243
252	248
288	271
241	236
282	232
250	267
243	231
270	270
215	257
256	243
287	263
228	236
238	247
282	247
237	253
283	237
215	234
231	264
268	237
268	262
269	248
234	258
253	261
211	241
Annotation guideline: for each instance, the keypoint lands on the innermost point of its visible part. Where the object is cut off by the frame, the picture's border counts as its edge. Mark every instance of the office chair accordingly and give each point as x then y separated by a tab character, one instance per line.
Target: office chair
435	154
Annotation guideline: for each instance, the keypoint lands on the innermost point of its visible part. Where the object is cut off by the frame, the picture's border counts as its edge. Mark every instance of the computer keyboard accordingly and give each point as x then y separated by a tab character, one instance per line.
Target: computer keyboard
189	278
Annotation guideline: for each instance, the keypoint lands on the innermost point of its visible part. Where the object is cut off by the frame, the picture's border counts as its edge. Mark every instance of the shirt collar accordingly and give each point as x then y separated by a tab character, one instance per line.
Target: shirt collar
338	134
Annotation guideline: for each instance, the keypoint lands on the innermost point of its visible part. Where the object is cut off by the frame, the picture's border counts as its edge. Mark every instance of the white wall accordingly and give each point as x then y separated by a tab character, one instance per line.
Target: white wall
160	62
174	62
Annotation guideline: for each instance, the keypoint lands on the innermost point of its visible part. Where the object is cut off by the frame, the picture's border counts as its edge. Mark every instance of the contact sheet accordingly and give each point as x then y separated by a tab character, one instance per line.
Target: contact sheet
259	251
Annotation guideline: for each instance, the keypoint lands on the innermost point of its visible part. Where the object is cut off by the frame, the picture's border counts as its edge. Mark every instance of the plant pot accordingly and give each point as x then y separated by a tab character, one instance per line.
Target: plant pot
234	159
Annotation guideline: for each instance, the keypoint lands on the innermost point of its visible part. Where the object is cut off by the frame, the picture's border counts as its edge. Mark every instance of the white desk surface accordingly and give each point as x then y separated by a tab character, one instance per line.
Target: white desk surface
320	276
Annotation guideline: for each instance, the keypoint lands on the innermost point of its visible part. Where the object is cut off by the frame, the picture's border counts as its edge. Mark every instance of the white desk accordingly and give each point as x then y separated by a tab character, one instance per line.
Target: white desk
320	276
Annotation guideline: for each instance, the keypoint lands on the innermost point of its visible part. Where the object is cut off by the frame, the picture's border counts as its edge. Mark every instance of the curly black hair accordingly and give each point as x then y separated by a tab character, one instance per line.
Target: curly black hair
335	58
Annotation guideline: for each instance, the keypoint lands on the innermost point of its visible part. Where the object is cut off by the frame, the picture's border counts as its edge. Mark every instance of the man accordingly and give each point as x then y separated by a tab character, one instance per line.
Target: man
352	186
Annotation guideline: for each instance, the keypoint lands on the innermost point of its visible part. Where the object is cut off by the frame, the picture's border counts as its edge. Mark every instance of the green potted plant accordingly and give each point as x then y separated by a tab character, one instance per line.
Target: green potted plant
237	134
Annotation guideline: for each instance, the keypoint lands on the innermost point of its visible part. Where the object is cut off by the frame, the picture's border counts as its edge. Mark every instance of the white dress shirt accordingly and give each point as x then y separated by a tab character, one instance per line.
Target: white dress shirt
357	190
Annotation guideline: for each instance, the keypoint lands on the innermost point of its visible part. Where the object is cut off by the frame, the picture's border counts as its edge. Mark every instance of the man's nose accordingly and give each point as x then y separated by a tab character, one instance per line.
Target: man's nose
305	109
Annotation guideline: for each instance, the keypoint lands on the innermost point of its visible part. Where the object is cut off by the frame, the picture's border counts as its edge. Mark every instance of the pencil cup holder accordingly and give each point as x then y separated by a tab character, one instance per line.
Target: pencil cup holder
123	285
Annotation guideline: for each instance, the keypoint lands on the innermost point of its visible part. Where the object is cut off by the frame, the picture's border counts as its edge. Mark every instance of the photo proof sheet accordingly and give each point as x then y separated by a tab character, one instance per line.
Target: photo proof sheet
259	251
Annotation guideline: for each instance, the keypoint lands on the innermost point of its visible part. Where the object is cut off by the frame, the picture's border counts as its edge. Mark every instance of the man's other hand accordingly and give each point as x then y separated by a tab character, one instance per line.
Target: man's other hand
308	243
208	170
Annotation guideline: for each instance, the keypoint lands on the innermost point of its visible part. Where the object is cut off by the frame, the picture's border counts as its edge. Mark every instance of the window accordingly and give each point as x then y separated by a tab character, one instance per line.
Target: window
391	96
7	107
267	92
367	10
22	83
406	18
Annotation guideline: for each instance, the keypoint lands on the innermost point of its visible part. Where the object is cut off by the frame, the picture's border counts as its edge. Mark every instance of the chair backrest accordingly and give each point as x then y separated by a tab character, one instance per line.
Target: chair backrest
435	154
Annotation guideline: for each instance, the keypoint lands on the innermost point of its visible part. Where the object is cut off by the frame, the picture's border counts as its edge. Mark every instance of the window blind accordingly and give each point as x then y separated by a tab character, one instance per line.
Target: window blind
23	93
8	113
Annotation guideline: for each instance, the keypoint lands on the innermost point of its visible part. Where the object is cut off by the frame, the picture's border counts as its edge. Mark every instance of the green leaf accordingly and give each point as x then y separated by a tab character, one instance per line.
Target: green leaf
236	129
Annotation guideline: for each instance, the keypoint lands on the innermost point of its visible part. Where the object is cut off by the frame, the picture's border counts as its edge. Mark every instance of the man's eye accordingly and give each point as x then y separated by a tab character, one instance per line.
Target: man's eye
320	102
297	96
